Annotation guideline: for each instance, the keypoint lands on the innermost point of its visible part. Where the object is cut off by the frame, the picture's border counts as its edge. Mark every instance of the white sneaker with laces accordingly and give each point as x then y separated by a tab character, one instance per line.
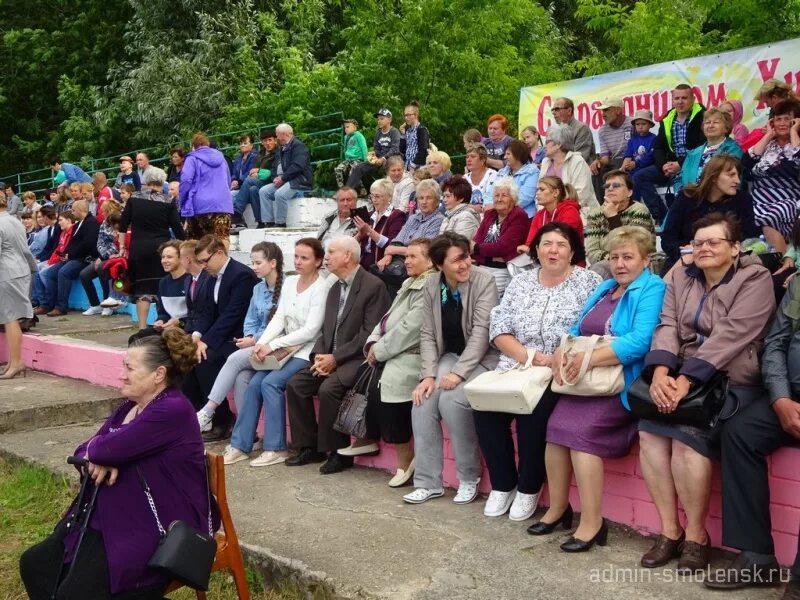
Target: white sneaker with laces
234	455
93	310
110	303
107	312
204	420
269	458
420	495
523	507
467	492
498	503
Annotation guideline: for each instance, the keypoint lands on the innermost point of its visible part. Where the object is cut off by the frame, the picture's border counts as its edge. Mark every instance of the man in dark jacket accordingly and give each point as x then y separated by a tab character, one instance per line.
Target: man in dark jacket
257	177
747	440
81	249
681	130
291	176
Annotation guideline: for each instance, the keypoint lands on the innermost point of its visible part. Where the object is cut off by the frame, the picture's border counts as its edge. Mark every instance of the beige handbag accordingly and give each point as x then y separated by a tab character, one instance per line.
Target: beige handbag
516	391
274	360
599	381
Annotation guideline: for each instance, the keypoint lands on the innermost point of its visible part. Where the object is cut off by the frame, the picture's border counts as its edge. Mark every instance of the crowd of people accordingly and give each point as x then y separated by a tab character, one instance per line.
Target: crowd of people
446	278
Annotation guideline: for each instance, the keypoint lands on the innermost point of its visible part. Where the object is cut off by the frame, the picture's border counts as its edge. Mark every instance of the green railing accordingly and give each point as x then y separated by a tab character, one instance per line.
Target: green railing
325	145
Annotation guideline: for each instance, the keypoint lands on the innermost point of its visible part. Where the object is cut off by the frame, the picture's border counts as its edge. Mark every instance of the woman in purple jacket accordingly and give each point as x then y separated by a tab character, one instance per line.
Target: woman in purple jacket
205	197
155	431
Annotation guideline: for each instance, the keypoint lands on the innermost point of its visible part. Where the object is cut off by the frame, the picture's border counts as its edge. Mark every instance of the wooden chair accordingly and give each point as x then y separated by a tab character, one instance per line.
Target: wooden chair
229	554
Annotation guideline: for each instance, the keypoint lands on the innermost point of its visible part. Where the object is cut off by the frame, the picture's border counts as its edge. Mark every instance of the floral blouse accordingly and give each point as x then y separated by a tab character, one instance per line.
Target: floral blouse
537	316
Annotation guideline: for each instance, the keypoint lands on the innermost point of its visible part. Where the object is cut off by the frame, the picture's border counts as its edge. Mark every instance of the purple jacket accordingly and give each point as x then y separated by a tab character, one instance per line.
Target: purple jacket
164	442
205	183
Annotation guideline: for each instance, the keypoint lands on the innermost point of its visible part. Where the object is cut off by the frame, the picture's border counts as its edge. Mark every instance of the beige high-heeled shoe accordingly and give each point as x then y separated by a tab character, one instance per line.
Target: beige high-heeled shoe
12	373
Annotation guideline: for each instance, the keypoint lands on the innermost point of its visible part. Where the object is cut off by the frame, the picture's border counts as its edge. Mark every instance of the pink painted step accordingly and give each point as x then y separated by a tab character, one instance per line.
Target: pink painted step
625	500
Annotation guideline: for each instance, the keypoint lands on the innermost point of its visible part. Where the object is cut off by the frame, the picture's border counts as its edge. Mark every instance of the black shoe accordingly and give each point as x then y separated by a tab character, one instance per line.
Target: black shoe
261	225
279	225
335	463
743	572
237	219
217	434
573	544
306	456
542	528
267	225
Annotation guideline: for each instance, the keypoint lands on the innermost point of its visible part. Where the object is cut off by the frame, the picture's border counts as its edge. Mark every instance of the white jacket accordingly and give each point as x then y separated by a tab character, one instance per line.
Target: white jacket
576	172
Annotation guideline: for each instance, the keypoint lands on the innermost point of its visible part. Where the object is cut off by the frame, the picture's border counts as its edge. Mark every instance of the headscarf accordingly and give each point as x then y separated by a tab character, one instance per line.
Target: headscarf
739	131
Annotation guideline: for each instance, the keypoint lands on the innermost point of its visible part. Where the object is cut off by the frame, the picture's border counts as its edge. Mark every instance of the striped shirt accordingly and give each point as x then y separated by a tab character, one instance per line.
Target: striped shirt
614	140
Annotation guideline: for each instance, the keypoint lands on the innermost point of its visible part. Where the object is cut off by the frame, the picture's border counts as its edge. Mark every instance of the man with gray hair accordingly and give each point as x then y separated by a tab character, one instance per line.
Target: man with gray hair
355	304
292	176
564	113
340	222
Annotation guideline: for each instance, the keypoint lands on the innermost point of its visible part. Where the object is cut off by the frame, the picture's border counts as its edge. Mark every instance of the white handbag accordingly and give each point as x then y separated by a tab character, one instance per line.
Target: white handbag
516	391
598	381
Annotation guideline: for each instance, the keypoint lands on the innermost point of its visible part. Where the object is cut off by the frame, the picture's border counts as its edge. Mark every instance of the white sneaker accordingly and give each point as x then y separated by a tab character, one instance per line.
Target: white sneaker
93	310
204	420
497	503
420	495
269	458
523	507
107	312
234	455
110	303
467	492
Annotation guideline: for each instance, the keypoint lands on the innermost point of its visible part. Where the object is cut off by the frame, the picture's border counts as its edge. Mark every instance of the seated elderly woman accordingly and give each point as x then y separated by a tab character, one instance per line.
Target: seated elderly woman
584	430
560	161
479	175
619	209
715	315
402	180
454	348
524	173
497	140
393	347
425	223
539	306
153	434
717	127
291	321
458	214
383	225
556	203
773	168
438	164
717	191
502	229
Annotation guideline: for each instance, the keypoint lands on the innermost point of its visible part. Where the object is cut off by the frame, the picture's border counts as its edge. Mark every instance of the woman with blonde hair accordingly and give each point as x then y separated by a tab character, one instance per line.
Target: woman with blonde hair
438	164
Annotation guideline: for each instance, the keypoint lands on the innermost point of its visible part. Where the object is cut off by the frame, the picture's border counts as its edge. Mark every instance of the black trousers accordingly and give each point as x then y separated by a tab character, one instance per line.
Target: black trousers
307	430
497	446
87	276
357	172
747	440
39	567
198	383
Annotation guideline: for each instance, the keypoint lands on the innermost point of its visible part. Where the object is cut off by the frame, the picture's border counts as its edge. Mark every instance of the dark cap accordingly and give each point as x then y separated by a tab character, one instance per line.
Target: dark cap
383	112
267	133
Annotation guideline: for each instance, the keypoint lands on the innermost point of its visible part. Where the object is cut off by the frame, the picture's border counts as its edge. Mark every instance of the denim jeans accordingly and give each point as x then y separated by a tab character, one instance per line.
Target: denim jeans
248	194
236	374
267	389
275	202
38	292
645	182
58	283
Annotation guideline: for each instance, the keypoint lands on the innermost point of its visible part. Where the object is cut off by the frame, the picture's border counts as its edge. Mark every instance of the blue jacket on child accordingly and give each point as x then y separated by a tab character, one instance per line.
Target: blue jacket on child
640	149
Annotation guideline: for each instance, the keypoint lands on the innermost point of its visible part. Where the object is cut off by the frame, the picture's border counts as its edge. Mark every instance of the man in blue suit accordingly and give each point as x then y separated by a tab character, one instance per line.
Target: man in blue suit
217	313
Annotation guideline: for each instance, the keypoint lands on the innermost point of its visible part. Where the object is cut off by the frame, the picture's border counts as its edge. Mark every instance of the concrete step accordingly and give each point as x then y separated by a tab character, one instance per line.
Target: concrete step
41	400
350	536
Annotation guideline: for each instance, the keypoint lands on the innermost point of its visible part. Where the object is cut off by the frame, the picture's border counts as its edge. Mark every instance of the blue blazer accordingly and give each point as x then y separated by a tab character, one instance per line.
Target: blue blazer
230	309
200	311
633	322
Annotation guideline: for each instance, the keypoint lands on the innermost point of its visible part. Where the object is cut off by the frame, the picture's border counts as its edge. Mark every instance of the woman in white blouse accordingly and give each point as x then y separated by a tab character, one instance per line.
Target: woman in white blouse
537	308
297	322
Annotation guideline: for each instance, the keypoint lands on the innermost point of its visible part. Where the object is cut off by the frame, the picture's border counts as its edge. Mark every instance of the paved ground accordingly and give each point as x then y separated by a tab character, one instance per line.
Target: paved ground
111	331
351	533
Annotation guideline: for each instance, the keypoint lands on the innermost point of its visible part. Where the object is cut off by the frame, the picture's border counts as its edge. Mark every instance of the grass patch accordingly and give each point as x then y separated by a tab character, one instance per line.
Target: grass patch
32	500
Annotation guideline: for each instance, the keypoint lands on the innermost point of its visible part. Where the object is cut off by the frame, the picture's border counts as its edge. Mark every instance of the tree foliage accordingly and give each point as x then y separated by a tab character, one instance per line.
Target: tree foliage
89	78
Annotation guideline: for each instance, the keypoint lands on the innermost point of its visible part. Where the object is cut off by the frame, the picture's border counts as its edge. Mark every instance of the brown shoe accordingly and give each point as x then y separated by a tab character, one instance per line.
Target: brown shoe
663	551
56	312
41	310
695	557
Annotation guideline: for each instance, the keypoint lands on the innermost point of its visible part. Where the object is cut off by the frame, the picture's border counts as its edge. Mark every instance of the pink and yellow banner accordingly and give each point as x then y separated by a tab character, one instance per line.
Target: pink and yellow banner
734	75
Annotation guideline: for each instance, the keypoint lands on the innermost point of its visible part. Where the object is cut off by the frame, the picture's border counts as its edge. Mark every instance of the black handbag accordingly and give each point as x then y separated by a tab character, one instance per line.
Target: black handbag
701	407
183	552
352	416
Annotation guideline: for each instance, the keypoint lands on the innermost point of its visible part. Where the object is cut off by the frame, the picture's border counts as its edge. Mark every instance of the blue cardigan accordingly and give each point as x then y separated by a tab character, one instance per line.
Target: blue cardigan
633	322
691	166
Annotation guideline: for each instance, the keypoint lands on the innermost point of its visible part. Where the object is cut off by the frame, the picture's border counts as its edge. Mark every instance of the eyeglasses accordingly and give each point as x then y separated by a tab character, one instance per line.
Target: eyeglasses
555	109
613	185
711	242
376	196
204	261
409	114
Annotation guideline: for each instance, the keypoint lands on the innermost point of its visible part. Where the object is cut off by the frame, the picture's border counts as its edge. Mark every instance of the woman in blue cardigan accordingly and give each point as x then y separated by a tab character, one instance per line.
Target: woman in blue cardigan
717	126
583	430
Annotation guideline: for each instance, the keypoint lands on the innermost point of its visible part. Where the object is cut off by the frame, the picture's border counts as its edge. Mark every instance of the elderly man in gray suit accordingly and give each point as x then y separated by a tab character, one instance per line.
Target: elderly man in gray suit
355	305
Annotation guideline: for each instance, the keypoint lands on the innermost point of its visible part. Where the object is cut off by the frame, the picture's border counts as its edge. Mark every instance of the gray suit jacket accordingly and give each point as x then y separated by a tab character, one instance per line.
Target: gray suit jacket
15	256
479	297
367	301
